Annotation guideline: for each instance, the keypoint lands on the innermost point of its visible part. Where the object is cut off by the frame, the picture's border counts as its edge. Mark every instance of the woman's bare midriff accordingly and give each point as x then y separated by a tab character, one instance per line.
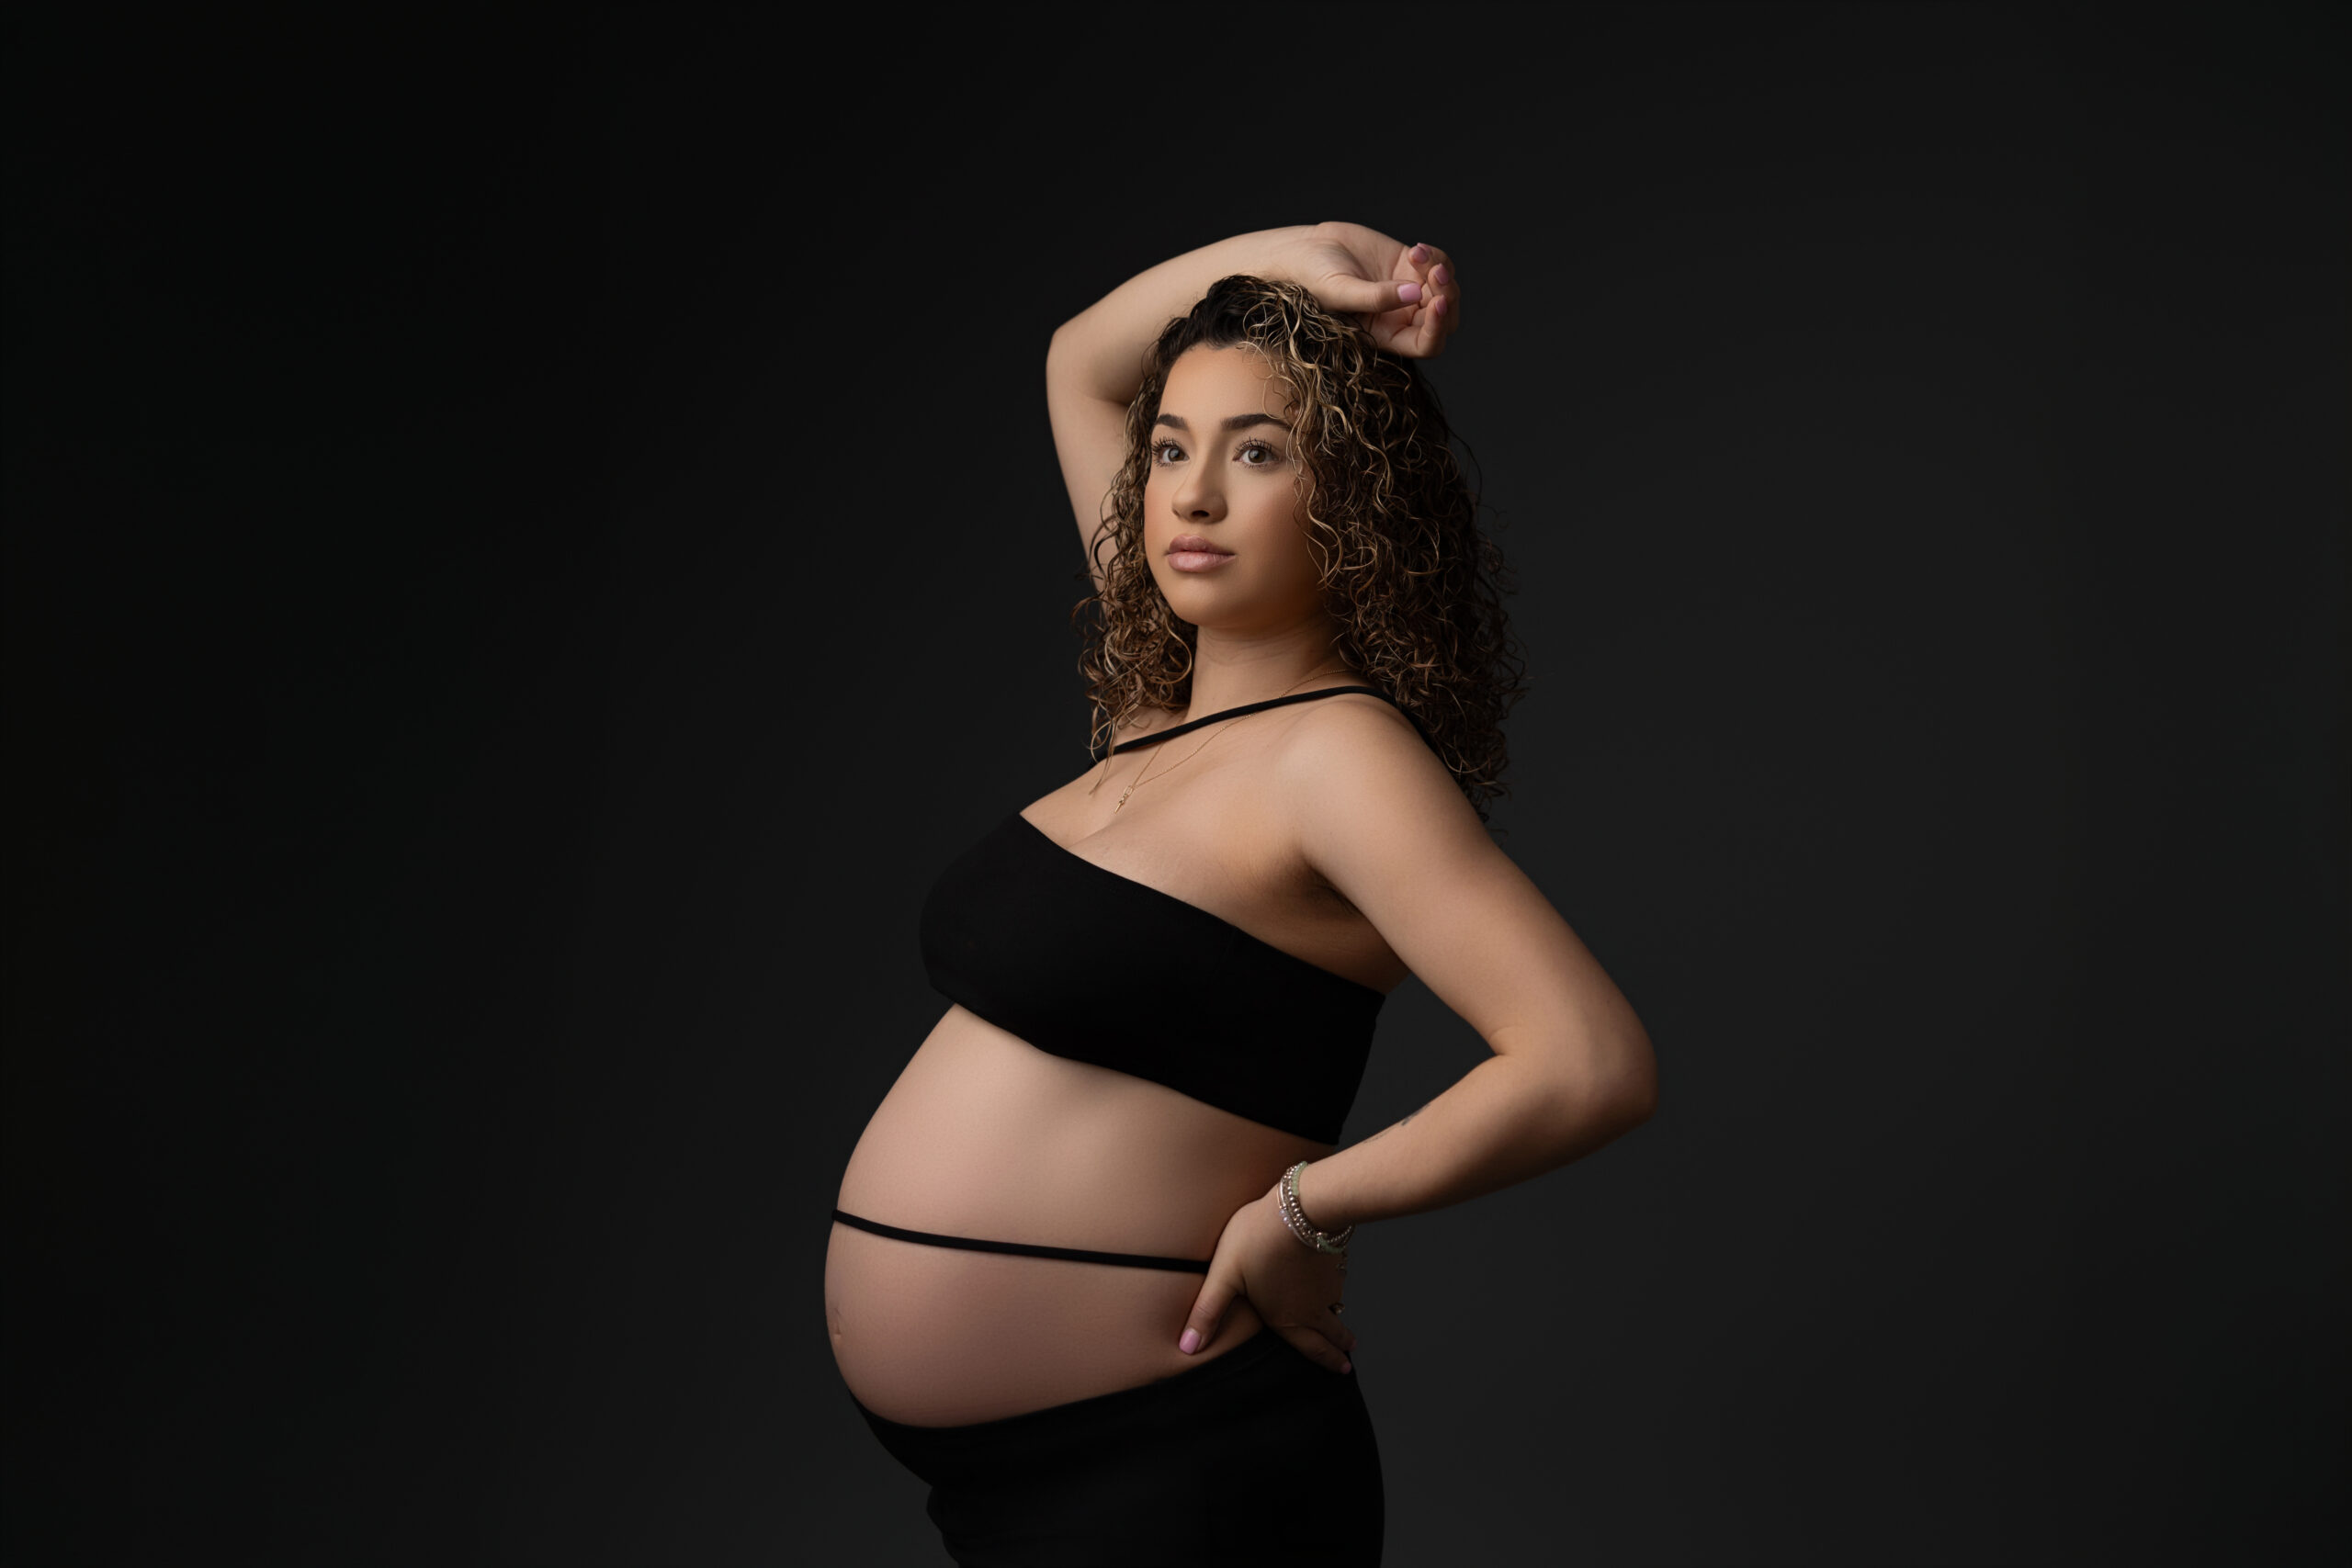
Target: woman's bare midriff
985	1136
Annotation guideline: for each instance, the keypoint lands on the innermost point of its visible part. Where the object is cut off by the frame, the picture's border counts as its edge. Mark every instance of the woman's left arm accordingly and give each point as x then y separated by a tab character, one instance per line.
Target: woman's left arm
1382	820
1572	1068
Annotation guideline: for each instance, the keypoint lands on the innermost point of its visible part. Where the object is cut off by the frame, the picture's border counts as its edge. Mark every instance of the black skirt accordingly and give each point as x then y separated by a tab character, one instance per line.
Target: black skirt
1258	1456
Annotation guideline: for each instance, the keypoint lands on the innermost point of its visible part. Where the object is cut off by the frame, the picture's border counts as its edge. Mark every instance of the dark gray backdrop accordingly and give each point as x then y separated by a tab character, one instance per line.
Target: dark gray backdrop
530	541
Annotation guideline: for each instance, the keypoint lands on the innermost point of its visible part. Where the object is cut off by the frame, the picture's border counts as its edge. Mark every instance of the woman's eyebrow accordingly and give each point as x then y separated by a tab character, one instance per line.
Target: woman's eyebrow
1238	421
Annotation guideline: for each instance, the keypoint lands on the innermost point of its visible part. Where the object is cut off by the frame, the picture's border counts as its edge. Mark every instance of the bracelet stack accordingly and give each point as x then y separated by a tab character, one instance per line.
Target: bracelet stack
1295	1218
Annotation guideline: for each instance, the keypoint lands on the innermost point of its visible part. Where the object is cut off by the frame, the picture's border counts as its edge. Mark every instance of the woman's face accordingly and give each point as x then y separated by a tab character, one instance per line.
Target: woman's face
1222	473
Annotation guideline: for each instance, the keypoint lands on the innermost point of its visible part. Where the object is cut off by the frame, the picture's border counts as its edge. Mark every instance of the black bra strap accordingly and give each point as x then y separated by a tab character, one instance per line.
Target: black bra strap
1025	1249
1174	731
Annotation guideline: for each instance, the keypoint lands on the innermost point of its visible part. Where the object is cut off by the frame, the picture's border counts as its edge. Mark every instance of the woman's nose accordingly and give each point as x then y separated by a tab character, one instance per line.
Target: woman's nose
1197	497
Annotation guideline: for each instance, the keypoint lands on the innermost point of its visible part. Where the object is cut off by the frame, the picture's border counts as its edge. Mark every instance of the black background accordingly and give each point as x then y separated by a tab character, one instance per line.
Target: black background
531	539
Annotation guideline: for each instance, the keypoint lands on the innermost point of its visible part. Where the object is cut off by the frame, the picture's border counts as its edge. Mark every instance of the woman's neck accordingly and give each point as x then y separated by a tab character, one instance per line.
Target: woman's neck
1230	670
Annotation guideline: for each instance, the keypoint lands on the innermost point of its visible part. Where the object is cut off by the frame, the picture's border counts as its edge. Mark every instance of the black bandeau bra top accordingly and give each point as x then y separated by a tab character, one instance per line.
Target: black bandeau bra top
1086	963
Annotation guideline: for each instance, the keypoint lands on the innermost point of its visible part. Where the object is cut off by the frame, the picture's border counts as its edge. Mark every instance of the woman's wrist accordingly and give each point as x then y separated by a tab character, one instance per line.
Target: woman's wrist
1321	1212
1311	1231
1277	255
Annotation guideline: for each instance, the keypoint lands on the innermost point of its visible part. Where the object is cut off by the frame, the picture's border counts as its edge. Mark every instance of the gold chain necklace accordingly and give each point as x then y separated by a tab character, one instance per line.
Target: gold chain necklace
1205	745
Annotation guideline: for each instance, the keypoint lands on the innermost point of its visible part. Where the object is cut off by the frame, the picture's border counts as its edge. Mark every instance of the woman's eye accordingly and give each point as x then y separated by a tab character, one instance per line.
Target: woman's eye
1165	451
1264	454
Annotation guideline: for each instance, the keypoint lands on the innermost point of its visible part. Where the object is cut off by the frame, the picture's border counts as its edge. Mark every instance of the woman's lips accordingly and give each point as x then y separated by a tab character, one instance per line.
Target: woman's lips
1196	552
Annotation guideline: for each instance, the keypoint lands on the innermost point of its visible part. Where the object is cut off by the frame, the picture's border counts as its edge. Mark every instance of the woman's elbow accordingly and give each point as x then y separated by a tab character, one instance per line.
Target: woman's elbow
1635	1083
1612	1092
1063	347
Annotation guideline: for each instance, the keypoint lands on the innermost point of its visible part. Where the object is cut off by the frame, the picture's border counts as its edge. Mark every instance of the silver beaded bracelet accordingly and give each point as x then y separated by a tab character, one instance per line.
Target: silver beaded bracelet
1336	1244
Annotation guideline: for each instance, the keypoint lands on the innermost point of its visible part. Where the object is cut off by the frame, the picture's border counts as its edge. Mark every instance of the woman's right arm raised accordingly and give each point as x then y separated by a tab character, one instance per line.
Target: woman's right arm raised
1095	364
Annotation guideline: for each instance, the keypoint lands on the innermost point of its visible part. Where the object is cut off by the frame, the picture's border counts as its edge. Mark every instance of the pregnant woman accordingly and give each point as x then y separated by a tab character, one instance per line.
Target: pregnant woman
1086	1275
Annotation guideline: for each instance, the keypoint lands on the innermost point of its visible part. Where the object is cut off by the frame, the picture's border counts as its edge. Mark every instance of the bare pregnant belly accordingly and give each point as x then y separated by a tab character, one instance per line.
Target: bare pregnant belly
984	1135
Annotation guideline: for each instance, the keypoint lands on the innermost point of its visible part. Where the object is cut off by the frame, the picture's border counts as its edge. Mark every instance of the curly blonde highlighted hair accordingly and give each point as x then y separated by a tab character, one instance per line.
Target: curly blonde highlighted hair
1413	586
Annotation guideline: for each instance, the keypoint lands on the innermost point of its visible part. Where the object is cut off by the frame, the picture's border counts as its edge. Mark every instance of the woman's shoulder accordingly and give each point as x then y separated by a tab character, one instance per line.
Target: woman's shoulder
1369	802
1354	719
1361	739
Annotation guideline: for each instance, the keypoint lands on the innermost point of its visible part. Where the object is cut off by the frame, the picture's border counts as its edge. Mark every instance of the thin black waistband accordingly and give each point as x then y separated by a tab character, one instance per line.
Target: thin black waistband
1025	1249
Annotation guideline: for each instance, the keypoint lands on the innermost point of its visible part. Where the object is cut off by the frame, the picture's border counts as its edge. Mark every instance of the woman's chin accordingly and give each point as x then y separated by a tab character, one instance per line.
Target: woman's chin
1203	612
1189	600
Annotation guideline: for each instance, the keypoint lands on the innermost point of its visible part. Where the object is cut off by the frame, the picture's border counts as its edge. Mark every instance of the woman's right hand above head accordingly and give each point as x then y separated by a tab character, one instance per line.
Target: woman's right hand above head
1409	297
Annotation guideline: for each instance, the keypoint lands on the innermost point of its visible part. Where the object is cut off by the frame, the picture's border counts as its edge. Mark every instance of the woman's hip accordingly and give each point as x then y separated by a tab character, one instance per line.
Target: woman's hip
937	1337
1258	1455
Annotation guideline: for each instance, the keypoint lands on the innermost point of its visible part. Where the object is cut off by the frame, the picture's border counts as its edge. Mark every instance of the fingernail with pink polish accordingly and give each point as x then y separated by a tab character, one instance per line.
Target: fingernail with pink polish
1409	292
1190	1342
